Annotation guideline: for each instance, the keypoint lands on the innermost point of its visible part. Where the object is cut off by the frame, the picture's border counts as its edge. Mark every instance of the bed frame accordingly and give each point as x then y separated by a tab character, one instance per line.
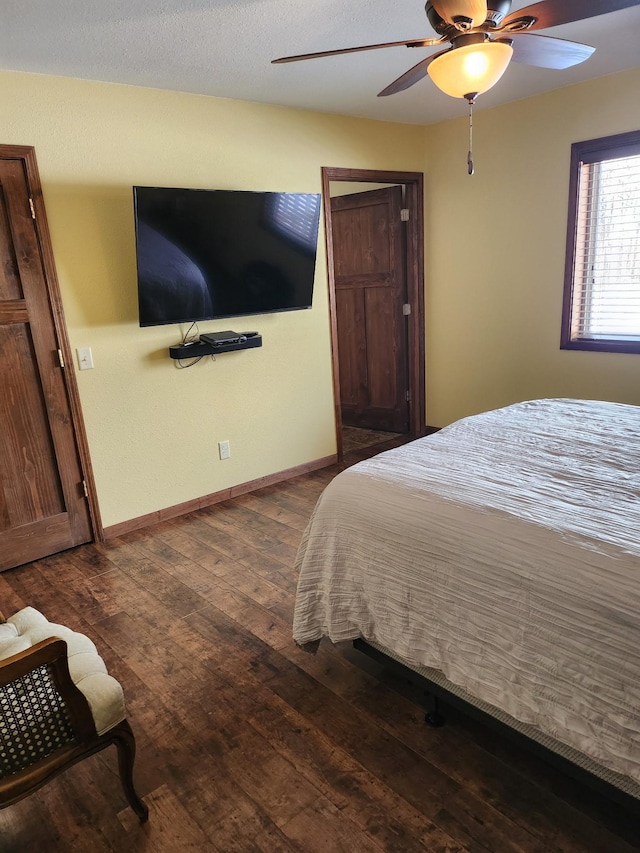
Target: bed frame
437	692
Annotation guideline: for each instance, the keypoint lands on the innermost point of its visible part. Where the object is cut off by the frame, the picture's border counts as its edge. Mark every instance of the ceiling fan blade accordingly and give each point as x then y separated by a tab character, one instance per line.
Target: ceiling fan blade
409	43
449	10
413	75
552	13
547	52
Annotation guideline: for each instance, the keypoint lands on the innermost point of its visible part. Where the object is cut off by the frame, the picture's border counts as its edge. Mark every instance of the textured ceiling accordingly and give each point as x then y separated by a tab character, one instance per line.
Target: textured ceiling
224	48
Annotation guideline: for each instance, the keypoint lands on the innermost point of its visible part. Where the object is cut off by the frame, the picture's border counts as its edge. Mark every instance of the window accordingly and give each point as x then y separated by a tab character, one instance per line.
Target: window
602	272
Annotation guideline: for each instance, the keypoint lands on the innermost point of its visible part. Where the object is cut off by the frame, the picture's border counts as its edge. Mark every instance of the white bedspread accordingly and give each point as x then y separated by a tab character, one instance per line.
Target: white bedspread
504	551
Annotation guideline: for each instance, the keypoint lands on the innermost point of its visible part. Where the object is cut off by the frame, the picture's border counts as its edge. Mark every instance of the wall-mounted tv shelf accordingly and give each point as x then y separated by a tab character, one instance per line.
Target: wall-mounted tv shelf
200	348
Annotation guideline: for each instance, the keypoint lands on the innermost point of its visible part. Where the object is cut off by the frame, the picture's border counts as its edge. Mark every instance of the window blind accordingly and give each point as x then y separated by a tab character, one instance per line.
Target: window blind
606	274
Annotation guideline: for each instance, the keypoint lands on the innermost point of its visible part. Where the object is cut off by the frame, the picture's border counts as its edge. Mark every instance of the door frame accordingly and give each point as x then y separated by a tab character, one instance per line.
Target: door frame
27	154
414	265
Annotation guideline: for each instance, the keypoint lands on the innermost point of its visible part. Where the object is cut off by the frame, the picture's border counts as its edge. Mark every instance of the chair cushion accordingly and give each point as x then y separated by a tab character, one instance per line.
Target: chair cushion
87	669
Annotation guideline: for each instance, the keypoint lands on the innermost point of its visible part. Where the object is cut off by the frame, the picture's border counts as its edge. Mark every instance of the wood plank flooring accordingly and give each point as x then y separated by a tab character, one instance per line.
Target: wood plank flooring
247	743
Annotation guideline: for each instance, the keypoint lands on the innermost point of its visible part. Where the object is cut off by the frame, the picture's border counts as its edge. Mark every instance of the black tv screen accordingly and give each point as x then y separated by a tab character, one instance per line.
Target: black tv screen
204	254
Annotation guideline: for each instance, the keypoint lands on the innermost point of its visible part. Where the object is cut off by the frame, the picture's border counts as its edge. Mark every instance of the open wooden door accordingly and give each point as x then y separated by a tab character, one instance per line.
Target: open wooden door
370	292
413	263
44	505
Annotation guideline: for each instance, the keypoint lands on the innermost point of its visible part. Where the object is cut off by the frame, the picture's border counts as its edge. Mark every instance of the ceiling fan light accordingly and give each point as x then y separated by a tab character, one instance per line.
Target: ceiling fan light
474	68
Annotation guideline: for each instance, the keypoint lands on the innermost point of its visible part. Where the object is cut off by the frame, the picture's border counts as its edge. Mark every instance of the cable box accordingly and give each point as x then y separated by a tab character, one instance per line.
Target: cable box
219	339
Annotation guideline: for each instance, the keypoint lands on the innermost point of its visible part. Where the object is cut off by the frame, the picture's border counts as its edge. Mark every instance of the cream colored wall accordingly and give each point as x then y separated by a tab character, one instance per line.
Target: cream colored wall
153	429
494	270
495	249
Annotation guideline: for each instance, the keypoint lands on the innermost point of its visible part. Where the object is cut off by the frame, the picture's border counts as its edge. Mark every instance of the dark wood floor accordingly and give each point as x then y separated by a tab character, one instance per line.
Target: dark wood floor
357	438
247	743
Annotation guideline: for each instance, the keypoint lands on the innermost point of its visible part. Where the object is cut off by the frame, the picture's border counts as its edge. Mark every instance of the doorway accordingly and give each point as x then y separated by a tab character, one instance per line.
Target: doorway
47	495
374	241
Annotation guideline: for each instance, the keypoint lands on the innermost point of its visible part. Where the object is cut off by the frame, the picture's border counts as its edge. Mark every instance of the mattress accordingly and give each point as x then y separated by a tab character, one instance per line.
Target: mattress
504	552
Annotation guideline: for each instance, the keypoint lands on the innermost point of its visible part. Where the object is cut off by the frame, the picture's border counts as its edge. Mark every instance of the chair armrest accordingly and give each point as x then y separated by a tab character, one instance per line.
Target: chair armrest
52	654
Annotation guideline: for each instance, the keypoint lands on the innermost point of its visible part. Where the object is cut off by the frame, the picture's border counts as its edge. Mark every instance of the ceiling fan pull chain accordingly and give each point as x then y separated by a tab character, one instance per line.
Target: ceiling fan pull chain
472	100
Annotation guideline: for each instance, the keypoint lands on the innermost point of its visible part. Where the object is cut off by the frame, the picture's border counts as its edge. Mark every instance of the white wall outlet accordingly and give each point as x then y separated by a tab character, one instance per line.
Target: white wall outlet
85	358
224	449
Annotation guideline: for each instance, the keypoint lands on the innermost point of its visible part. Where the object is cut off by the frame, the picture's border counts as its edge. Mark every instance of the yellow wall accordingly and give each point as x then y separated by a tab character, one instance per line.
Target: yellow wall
494	270
495	249
153	429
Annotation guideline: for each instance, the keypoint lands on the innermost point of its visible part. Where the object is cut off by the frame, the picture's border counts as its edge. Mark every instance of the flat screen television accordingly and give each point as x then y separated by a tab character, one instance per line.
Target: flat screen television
208	254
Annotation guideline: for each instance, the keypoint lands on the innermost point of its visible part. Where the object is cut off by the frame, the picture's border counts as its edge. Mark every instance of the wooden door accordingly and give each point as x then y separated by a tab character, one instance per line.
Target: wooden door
370	289
43	507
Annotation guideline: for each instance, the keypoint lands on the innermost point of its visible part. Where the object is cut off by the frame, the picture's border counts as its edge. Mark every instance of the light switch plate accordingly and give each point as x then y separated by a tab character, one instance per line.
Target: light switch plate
85	358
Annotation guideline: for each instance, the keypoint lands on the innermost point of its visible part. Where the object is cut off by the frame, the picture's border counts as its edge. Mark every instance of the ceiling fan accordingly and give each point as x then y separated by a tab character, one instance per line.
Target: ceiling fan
483	39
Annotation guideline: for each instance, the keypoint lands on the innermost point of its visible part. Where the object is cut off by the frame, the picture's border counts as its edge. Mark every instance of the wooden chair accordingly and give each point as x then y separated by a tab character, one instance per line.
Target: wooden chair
58	705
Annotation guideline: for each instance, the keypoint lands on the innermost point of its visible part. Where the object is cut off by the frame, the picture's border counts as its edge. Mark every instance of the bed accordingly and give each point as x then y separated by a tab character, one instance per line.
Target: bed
500	555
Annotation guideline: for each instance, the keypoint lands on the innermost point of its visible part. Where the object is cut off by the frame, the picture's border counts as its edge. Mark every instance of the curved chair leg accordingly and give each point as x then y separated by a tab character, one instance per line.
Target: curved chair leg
125	742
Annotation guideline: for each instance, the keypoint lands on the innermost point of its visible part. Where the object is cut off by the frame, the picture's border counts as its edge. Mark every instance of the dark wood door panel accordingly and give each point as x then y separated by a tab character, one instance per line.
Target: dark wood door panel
10	286
30	477
362	242
25	543
43	508
351	344
382	373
